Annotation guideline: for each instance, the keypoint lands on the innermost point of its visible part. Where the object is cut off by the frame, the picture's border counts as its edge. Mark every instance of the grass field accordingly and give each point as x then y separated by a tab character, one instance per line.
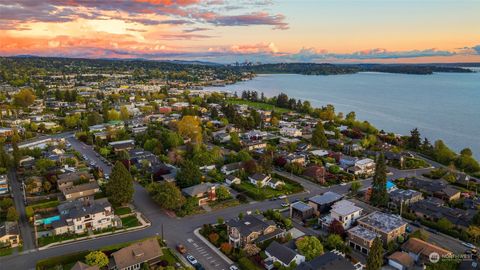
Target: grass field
122	211
258	105
130	221
30	210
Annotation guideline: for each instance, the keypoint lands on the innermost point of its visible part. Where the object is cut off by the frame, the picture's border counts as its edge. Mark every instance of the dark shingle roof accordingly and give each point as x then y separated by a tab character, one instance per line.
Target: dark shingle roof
281	252
327	261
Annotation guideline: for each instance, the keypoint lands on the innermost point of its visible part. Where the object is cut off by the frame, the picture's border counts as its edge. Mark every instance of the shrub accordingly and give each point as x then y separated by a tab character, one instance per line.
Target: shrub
226	248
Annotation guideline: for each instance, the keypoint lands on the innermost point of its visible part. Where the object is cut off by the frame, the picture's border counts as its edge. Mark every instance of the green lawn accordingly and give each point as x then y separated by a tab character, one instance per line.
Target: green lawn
122	211
258	105
43	241
6	251
130	221
257	193
30	210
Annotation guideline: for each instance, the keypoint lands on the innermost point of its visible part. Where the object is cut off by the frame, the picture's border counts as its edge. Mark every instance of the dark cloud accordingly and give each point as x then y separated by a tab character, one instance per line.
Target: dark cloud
196	29
477	49
185	36
181	12
257	18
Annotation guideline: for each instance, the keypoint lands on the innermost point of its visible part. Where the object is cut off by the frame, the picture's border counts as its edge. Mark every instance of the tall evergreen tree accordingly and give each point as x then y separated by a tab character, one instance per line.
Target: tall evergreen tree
379	195
414	141
120	186
375	257
318	136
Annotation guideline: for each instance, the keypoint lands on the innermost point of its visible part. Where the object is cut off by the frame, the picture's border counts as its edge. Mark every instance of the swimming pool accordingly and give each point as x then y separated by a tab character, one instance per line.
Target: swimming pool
48	220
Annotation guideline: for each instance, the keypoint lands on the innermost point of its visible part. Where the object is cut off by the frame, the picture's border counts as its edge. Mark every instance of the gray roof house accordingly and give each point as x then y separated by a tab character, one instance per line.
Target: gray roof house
277	252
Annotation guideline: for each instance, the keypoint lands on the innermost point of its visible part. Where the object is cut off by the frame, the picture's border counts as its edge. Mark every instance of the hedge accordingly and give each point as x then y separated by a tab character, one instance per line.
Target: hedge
246	264
30	210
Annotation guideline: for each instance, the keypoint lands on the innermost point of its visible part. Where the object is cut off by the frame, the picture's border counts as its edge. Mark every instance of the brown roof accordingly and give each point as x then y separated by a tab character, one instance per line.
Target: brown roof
137	253
403	258
81	266
419	246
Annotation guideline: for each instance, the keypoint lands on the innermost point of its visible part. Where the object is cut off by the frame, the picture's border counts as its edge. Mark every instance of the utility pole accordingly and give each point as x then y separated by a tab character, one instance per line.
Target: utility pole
163	240
401	207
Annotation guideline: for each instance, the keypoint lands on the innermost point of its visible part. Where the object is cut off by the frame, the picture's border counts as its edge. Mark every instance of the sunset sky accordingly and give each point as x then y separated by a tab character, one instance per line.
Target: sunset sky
256	30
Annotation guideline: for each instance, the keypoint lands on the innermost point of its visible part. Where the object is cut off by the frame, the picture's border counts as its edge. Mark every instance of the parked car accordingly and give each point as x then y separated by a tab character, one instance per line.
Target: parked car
199	267
191	259
181	248
285	204
233	267
472	246
416	223
282	197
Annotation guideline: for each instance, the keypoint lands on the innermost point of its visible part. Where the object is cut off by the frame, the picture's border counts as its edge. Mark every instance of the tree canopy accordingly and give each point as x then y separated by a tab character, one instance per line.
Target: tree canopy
24	98
97	258
318	137
375	257
119	188
167	195
379	196
188	175
310	247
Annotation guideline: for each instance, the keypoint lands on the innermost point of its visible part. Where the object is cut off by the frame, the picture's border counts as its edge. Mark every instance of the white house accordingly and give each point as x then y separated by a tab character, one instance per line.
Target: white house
275	183
363	166
277	252
344	211
232	179
78	218
231	168
290	132
319	153
259	179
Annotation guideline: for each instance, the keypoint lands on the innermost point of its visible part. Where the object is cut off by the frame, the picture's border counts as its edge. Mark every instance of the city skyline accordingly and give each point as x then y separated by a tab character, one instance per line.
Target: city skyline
258	31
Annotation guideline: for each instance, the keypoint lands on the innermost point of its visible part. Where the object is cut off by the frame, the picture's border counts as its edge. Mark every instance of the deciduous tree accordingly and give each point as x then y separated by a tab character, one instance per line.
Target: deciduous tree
24	98
310	247
188	175
97	258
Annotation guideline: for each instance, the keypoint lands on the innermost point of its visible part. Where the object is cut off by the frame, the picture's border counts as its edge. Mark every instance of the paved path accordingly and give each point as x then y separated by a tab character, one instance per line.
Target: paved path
26	230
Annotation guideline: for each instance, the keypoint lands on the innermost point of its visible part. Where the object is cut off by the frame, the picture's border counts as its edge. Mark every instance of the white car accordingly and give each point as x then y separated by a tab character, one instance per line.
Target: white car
233	267
285	205
191	259
469	245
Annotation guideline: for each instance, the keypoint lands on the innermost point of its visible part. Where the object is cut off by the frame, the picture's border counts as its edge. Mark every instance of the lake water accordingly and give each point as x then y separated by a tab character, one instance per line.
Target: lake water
442	106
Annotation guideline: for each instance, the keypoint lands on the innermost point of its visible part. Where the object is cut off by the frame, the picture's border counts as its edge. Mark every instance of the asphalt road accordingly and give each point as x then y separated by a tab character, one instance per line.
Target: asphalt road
175	230
25	229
